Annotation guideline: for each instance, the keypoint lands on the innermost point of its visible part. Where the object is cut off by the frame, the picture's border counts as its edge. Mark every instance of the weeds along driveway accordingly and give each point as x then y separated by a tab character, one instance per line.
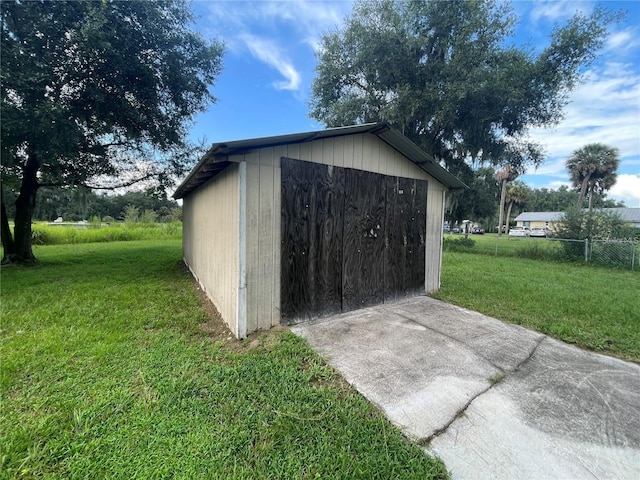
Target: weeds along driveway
492	400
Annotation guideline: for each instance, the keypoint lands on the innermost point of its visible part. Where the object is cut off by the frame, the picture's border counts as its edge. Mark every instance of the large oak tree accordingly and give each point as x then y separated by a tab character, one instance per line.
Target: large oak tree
95	90
448	76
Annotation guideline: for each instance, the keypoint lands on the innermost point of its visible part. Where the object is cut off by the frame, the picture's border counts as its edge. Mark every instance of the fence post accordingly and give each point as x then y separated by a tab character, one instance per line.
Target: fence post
586	250
633	255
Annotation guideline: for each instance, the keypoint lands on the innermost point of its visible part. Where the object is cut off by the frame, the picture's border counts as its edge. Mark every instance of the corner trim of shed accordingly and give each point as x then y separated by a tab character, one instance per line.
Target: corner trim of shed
241	321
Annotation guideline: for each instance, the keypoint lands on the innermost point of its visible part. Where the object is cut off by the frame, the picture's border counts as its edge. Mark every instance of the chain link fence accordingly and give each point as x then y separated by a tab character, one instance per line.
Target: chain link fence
615	252
612	252
622	253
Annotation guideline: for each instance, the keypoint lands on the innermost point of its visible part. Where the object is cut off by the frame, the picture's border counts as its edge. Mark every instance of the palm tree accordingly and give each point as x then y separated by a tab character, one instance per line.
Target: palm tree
516	194
593	168
503	176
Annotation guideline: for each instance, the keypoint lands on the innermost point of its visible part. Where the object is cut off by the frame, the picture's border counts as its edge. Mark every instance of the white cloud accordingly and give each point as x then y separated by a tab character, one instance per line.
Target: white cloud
544	10
274	32
604	109
269	53
622	41
552	168
311	19
627	189
556	185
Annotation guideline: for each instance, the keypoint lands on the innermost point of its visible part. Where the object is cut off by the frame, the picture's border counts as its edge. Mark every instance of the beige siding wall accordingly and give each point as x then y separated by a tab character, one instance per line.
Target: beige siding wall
537	223
211	241
263	206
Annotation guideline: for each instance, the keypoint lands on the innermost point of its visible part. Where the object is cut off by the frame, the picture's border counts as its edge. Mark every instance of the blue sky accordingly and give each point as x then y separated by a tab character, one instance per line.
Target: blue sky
269	64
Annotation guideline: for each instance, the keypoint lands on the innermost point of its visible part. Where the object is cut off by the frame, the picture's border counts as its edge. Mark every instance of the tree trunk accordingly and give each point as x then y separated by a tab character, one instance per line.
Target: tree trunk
503	196
25	204
8	244
583	190
508	215
591	188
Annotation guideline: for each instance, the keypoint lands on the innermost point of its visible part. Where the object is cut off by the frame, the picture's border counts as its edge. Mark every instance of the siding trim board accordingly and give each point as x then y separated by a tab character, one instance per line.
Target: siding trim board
241	322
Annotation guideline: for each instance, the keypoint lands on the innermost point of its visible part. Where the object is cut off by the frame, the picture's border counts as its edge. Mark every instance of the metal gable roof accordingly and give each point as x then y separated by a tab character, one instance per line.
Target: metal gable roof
627	214
539	217
216	158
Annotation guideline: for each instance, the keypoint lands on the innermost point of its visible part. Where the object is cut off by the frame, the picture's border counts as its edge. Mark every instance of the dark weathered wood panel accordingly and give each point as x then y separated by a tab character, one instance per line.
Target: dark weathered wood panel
311	240
405	223
397	215
414	271
363	260
349	239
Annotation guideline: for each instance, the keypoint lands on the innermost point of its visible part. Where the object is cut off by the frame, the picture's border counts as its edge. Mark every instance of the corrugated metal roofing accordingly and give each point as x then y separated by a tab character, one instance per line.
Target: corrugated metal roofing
216	158
539	216
628	215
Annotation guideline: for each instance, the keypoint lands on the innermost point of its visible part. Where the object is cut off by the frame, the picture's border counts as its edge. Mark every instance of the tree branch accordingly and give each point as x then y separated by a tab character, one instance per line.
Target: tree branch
122	185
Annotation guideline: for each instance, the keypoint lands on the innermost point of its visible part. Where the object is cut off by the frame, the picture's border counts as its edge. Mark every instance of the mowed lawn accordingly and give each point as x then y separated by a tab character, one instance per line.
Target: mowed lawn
596	308
112	366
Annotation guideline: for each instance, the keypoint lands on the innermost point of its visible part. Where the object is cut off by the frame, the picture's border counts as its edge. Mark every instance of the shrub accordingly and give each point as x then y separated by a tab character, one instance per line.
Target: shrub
176	215
580	224
458	244
149	216
131	214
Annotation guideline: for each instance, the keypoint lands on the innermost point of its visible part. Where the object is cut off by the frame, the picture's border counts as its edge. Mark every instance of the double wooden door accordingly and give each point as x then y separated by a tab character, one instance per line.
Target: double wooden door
349	239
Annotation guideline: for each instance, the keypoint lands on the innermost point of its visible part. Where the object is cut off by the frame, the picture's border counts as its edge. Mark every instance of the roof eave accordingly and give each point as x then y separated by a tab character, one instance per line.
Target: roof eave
219	153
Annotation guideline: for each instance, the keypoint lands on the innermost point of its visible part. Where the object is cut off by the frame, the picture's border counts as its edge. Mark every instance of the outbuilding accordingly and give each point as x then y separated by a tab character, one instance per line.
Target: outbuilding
629	216
289	228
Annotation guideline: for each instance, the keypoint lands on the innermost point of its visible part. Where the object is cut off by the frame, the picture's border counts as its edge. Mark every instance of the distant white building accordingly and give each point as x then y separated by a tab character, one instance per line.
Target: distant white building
547	219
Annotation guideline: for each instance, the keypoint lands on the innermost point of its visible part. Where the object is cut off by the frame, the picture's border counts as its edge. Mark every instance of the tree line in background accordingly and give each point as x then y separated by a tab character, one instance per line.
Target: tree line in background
75	204
480	202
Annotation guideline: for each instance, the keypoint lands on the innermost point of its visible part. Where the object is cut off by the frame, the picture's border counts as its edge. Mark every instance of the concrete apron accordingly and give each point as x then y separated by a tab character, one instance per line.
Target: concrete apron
492	400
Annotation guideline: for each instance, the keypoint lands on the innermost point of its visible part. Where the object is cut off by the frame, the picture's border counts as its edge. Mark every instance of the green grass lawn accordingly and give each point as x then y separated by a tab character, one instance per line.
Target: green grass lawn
593	307
112	368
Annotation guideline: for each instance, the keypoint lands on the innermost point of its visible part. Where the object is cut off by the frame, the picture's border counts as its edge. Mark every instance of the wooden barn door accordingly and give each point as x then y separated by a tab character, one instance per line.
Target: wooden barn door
363	254
311	243
350	239
405	226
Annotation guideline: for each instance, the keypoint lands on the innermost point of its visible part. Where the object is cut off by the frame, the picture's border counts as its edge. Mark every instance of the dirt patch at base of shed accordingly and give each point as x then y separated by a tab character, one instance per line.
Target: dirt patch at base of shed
218	332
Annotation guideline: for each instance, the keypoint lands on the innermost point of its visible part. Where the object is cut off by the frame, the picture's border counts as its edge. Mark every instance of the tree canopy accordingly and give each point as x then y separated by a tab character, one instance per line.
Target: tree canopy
560	200
76	204
593	170
447	75
94	90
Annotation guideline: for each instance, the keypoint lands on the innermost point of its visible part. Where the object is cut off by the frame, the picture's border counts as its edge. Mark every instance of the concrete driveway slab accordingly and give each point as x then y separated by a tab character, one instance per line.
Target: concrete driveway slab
493	400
